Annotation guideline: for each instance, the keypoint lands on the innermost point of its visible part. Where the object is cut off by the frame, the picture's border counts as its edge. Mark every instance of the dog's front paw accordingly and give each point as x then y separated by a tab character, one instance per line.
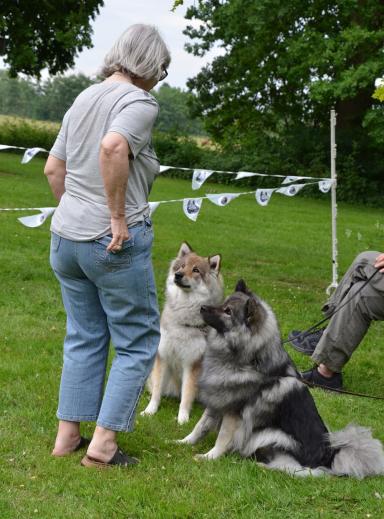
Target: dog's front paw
182	417
201	457
210	455
187	440
150	409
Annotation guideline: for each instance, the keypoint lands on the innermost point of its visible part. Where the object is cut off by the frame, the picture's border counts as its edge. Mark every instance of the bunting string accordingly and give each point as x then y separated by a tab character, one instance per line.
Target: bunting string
199	175
191	206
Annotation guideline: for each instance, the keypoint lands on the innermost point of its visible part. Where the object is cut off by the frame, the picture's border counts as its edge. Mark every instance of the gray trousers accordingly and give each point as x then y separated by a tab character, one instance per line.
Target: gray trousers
347	327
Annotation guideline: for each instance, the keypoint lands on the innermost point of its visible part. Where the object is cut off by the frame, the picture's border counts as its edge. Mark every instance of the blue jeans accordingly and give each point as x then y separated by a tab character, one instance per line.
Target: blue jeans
106	296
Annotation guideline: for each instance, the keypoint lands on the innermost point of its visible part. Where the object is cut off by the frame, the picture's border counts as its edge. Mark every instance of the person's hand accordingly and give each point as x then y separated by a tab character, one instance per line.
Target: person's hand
119	234
379	263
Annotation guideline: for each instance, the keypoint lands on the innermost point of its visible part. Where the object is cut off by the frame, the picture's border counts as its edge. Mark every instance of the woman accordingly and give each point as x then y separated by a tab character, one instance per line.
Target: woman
101	169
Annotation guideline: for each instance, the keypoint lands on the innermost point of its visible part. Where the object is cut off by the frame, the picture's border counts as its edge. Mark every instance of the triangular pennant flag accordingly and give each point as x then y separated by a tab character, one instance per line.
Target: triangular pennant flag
152	207
36	220
325	185
164	168
263	196
191	207
245	174
290	190
6	146
287	180
199	177
223	198
30	153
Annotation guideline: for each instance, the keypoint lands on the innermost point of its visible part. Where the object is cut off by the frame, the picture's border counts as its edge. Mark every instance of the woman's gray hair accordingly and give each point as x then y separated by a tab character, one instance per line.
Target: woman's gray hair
139	52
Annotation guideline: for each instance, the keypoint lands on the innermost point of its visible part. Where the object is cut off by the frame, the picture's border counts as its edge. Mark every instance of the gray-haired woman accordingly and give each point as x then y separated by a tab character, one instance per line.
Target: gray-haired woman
101	169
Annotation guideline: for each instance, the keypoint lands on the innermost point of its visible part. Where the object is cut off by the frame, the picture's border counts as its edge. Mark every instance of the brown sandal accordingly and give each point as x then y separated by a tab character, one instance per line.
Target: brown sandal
119	459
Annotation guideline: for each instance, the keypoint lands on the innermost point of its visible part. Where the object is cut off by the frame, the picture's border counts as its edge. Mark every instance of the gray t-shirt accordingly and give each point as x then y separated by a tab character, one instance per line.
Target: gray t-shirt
83	213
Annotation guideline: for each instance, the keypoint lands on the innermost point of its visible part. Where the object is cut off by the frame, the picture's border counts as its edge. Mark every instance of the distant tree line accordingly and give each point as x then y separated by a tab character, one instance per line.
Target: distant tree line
48	100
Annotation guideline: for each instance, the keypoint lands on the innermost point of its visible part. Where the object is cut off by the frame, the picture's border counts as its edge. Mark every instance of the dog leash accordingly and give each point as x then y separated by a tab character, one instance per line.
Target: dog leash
343	391
315	327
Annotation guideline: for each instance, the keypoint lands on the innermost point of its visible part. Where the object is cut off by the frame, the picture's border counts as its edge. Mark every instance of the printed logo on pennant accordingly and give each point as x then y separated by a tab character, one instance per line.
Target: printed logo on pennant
30	153
36	220
290	190
199	177
263	196
325	185
191	207
223	198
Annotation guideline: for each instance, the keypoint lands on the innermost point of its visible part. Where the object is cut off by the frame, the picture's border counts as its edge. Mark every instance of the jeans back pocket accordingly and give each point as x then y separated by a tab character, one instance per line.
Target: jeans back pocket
113	260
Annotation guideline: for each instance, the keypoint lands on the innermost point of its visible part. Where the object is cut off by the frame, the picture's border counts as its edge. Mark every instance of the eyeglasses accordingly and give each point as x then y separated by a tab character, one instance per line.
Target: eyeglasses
164	74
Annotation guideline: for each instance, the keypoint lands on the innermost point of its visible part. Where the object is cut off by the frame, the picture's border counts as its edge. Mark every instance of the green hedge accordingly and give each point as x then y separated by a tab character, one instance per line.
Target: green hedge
185	152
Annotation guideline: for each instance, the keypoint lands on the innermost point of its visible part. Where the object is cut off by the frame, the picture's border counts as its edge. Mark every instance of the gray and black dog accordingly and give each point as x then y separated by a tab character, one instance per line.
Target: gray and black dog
254	396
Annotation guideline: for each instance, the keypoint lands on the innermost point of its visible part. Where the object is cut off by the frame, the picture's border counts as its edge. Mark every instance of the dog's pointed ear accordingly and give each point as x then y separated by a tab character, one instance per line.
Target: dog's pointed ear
215	262
184	249
241	286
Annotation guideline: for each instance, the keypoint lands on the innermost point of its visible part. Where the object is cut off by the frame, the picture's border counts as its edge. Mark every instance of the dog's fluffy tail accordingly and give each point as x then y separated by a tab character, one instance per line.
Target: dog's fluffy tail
359	455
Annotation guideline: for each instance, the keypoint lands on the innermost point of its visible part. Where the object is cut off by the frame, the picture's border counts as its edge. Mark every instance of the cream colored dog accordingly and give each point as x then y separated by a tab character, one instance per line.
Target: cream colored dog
193	281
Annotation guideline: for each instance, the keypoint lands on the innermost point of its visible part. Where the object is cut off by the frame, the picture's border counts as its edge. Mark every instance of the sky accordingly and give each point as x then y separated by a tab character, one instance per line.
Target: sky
117	15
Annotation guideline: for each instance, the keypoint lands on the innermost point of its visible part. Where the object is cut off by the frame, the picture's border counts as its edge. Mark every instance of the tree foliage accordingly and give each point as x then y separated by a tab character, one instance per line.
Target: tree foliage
48	100
284	66
36	34
174	112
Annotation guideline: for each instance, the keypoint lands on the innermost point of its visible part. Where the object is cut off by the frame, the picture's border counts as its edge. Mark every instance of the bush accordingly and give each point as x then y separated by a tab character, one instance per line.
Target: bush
27	133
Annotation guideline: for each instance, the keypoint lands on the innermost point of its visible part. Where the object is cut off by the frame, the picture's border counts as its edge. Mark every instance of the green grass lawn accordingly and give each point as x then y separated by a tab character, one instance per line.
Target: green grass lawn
283	252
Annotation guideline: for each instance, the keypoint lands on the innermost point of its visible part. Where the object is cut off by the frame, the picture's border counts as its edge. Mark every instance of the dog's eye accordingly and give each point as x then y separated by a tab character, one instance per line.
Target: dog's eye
227	310
195	269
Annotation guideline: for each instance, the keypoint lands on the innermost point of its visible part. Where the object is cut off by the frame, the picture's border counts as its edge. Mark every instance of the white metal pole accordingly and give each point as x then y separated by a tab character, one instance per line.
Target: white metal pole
333	202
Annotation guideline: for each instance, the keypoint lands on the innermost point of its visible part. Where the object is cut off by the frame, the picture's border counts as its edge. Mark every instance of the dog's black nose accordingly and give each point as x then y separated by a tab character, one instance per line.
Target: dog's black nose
203	308
179	276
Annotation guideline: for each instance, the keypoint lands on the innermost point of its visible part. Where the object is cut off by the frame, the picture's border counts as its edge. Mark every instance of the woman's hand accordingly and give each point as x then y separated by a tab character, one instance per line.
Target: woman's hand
379	264
119	234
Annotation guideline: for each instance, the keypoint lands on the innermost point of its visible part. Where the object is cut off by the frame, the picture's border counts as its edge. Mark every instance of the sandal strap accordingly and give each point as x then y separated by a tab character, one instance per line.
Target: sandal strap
122	459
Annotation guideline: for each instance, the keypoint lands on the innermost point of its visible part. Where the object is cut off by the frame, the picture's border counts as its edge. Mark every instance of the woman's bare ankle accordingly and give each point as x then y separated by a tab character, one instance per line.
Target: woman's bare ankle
67	439
103	444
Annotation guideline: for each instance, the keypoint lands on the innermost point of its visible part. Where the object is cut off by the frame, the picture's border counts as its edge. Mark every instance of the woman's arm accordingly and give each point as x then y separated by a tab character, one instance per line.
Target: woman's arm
114	167
55	171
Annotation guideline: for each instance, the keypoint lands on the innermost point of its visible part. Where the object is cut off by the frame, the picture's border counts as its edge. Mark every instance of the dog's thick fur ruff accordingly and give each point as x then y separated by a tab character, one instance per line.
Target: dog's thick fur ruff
192	281
254	395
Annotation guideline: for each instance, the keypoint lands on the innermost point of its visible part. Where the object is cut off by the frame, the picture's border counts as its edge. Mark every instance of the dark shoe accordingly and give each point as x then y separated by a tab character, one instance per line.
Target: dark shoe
119	459
312	376
83	443
305	343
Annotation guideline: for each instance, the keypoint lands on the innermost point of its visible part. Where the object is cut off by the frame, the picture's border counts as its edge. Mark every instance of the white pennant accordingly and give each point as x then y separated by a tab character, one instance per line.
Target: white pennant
164	168
244	174
6	146
191	207
30	153
152	207
290	190
263	196
287	180
325	185
223	198
36	220
199	177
